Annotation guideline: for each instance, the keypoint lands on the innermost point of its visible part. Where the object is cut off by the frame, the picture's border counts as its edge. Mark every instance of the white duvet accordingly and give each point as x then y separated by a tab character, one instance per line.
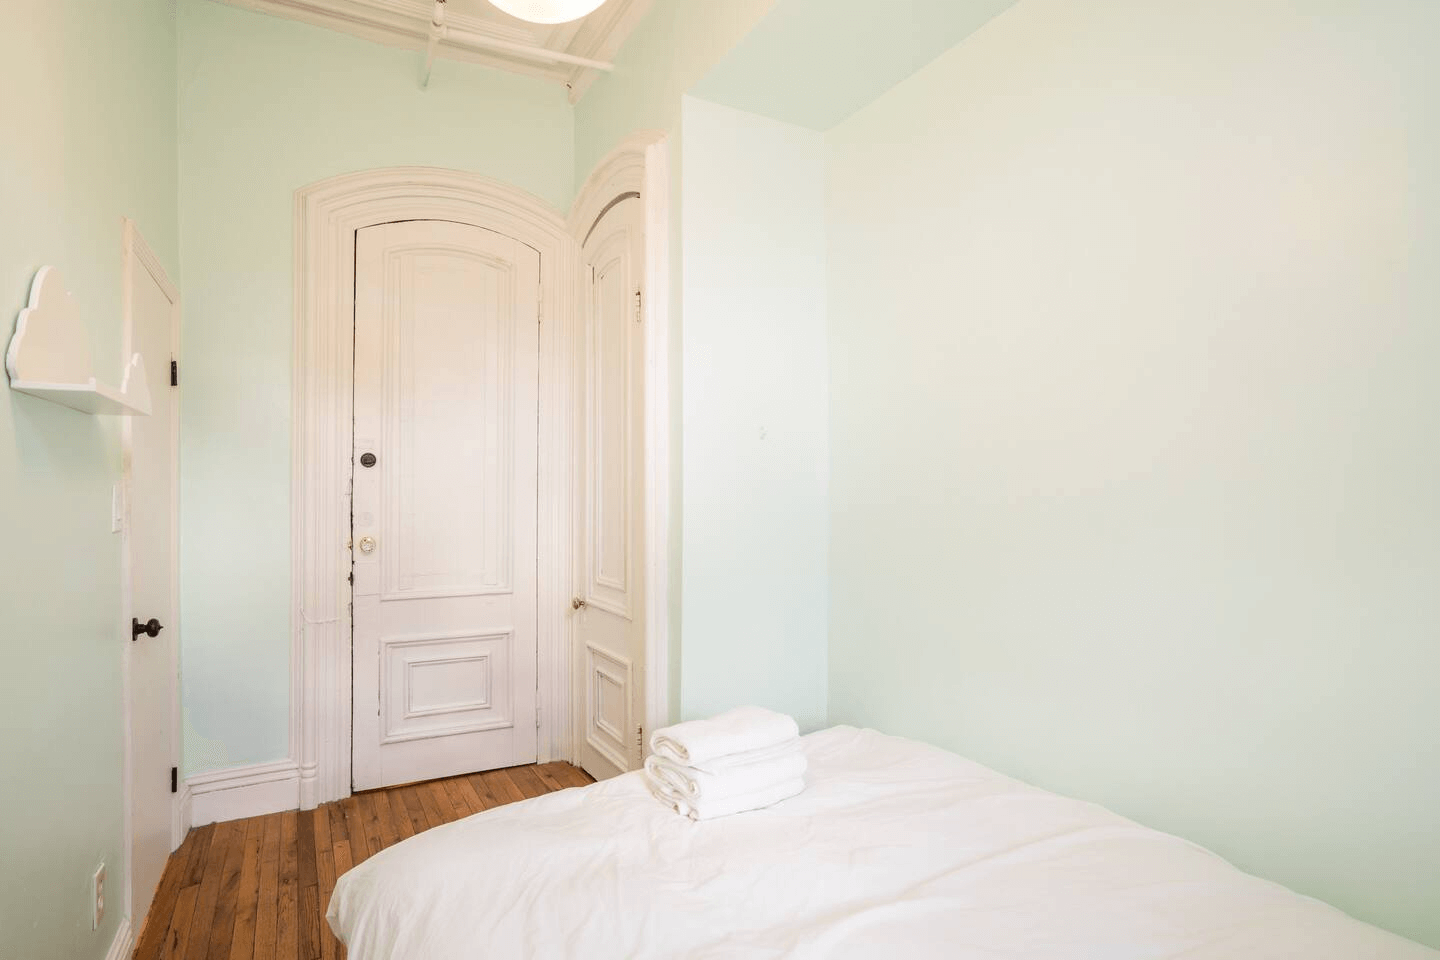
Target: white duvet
895	850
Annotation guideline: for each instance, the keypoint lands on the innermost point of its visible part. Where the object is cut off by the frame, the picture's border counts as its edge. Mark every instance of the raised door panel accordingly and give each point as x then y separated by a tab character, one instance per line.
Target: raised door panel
611	426
444	685
449	417
609	706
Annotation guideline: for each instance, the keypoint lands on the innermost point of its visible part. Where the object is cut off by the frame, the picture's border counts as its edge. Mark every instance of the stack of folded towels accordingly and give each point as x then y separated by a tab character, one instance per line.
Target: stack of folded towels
744	759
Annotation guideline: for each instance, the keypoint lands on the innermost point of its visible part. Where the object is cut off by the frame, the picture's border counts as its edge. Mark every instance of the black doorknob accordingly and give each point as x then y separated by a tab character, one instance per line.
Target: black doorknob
367	459
151	628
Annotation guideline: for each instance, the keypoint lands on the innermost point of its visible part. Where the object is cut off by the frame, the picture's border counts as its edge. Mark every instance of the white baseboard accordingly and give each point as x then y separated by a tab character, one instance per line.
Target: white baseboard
123	944
240	792
181	824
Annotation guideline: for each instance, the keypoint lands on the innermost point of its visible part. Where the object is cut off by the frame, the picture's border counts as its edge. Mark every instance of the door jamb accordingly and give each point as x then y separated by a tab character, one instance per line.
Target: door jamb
135	250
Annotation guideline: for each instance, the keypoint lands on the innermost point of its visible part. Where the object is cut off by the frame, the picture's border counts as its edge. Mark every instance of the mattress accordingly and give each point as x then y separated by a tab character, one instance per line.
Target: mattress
895	850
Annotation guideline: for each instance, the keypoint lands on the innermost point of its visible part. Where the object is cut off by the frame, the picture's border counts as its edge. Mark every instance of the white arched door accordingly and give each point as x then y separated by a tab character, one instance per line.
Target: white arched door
447	320
610	602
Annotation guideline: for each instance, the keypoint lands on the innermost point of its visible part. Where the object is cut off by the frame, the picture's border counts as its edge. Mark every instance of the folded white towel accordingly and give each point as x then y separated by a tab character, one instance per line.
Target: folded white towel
731	761
695	783
743	729
703	808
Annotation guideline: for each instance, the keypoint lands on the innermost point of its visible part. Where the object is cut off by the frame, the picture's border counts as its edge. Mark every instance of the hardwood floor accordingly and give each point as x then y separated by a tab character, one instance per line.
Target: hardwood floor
257	889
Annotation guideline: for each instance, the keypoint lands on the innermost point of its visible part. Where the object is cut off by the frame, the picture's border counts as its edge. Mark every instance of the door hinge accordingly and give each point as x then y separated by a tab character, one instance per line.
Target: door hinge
639	306
174	780
640	740
174	373
540	303
538	715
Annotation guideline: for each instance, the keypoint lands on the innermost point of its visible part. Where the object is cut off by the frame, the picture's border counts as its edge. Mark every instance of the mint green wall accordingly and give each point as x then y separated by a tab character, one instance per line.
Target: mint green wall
79	84
268	106
755	460
1134	335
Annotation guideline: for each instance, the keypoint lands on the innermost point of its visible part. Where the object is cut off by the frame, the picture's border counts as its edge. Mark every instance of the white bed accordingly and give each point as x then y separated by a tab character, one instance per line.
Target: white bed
894	850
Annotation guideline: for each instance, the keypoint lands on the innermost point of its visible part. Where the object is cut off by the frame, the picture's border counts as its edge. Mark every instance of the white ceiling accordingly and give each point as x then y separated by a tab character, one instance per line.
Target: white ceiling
475	28
816	62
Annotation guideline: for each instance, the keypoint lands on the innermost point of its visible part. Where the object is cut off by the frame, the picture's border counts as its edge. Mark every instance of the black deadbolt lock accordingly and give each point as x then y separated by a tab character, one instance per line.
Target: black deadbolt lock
151	629
367	459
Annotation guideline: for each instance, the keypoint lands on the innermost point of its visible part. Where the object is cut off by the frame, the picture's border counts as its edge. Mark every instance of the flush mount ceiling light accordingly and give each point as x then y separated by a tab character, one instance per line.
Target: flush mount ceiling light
548	11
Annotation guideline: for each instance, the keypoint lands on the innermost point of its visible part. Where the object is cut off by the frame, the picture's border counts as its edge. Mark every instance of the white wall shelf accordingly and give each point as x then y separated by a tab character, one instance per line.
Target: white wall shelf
49	357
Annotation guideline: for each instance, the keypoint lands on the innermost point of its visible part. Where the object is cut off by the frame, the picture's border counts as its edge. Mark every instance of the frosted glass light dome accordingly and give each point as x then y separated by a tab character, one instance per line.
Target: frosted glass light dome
548	11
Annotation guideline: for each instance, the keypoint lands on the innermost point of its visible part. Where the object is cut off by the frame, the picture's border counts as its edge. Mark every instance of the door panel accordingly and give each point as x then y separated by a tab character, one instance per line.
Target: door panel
446	401
150	548
610	625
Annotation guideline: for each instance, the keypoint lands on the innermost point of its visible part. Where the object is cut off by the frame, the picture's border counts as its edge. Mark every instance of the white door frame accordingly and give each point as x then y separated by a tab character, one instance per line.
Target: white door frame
136	252
327	215
641	164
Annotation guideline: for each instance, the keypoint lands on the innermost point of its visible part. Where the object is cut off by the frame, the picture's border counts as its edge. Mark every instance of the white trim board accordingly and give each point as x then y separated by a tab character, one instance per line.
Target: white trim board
406	24
124	943
239	792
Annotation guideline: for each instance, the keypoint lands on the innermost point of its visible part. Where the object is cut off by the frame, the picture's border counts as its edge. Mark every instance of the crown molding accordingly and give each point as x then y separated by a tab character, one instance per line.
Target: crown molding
406	24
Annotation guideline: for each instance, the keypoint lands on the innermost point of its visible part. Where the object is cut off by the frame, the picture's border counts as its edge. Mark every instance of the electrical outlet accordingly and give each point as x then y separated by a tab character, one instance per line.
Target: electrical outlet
99	912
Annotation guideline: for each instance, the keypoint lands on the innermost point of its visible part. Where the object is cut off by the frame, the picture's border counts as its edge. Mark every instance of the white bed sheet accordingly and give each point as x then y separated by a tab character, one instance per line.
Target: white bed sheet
895	850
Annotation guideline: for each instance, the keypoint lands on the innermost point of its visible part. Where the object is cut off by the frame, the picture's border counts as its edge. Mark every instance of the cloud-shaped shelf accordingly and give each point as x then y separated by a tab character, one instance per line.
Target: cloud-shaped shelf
49	356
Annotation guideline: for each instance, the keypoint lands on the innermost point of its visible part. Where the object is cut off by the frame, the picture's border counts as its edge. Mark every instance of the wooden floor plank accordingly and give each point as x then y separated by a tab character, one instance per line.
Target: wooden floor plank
195	868
287	923
310	922
472	797
573	776
547	776
370	820
258	889
419	822
325	865
268	901
339	833
208	896
323	840
484	791
502	786
399	816
152	936
177	934
242	940
359	849
458	800
341	853
305	850
433	814
527	781
222	928
385	817
443	802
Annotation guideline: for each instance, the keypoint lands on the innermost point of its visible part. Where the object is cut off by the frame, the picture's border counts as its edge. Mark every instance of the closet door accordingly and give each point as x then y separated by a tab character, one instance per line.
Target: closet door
444	515
151	550
610	625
